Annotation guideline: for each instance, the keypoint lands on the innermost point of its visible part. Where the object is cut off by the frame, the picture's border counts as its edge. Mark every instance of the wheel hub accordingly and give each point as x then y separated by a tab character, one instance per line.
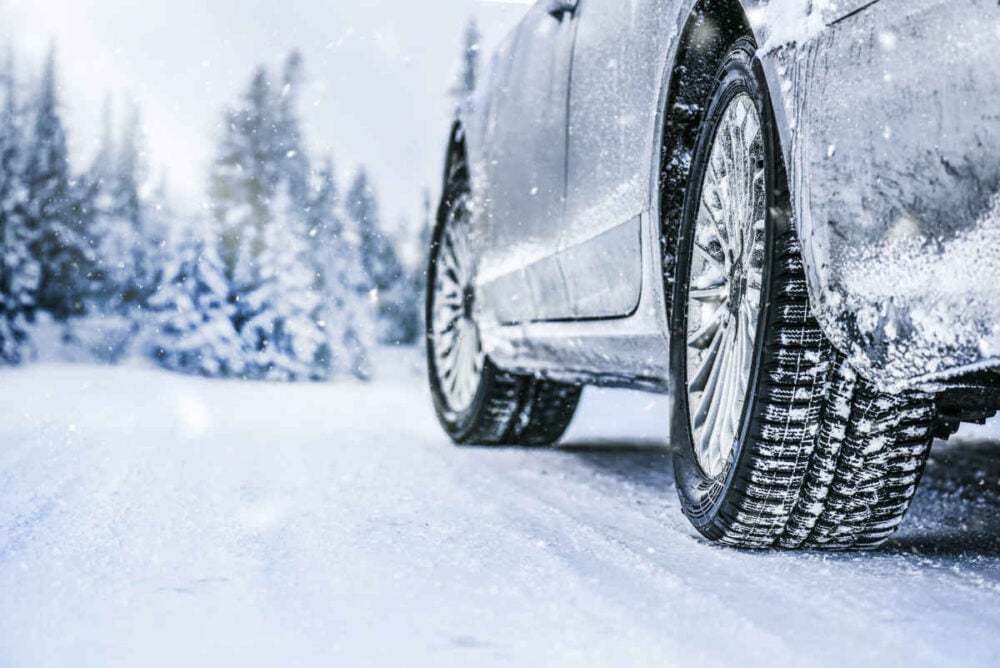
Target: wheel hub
724	287
468	301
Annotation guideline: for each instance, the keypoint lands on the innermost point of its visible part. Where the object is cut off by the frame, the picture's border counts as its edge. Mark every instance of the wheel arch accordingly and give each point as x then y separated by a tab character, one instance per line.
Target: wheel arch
456	157
708	29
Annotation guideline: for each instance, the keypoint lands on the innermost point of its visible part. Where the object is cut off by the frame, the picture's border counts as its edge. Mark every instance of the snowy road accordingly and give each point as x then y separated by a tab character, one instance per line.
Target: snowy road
148	519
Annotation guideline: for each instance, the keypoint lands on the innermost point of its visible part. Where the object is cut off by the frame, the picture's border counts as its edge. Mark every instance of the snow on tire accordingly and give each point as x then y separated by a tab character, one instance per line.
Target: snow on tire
809	454
476	402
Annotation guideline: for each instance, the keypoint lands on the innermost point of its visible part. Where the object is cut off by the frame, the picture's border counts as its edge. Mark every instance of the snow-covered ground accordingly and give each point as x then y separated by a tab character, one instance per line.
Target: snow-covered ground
149	519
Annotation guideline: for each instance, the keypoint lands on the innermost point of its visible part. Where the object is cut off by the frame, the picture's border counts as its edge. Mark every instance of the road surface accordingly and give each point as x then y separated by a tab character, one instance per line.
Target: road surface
149	519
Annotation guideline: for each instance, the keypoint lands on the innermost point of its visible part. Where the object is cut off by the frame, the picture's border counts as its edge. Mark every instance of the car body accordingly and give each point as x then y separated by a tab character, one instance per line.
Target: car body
888	115
784	214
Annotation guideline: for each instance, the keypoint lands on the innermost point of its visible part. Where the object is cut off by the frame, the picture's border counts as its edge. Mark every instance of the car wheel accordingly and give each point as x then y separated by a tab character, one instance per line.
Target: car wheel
781	443
476	402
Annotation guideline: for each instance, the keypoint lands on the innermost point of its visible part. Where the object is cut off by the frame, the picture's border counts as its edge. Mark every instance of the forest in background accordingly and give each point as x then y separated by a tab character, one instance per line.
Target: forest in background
284	276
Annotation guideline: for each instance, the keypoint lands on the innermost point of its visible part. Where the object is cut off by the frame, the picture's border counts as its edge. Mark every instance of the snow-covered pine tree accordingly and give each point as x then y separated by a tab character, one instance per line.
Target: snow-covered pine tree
346	313
130	207
245	180
418	277
468	72
383	269
59	210
158	219
290	148
115	235
281	334
404	299
191	314
19	272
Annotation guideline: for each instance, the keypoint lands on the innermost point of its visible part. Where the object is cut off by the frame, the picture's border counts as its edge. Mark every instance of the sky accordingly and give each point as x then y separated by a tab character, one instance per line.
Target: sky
378	75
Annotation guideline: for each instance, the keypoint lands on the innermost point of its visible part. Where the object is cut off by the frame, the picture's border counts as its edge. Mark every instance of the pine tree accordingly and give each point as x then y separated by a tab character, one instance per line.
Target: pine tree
383	270
130	207
191	313
418	277
245	180
290	148
59	210
113	236
282	334
158	219
346	314
260	188
19	272
468	72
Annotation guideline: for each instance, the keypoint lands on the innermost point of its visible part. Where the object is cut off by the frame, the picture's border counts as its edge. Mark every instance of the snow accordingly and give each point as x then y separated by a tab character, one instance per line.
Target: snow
790	21
161	520
945	284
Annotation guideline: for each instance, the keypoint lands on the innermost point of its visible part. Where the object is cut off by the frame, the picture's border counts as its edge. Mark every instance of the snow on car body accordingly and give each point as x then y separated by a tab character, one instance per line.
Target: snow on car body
582	155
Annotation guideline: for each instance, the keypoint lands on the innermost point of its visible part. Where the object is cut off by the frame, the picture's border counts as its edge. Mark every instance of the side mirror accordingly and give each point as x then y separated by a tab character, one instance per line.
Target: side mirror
561	8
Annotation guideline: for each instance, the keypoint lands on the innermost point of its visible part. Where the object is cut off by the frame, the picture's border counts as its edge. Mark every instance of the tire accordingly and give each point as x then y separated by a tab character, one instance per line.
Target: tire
496	407
819	458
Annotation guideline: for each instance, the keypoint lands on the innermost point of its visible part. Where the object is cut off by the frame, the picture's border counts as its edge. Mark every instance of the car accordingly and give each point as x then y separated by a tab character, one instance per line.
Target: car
784	215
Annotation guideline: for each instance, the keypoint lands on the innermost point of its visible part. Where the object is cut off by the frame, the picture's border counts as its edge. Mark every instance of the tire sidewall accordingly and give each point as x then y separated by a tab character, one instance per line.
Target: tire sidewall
703	498
458	424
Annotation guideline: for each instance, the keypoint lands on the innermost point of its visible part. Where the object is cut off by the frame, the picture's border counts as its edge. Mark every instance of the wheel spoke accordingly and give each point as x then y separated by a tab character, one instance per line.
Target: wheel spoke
724	287
702	337
700	378
712	295
455	345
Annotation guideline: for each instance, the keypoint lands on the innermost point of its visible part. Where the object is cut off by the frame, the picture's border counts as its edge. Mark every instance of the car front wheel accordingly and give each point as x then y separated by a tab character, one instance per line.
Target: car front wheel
781	443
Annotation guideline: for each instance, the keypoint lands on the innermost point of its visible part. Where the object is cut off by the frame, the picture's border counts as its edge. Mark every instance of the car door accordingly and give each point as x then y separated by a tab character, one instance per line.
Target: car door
618	62
520	270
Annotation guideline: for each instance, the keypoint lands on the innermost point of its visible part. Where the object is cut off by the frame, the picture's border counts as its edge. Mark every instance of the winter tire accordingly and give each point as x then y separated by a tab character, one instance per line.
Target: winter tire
476	402
781	443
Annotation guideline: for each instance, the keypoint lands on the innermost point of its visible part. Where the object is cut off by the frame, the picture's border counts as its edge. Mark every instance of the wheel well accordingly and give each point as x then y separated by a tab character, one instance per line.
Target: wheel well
455	165
712	27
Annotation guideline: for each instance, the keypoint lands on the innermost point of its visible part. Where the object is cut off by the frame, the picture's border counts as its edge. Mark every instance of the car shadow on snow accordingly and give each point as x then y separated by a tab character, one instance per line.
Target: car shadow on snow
957	509
641	463
956	512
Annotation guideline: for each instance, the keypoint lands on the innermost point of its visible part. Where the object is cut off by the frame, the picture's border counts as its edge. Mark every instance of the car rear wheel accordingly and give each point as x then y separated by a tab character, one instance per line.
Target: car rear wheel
781	443
476	402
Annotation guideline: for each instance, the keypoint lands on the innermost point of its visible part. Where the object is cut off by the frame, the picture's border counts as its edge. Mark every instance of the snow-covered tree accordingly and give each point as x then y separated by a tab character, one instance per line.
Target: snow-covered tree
282	335
117	213
158	219
59	210
260	188
290	148
191	314
19	271
383	270
131	206
418	275
346	312
245	179
403	302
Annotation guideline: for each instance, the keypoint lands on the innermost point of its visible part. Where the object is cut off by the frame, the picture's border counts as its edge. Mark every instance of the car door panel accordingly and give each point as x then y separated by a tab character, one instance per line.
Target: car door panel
618	62
525	203
608	289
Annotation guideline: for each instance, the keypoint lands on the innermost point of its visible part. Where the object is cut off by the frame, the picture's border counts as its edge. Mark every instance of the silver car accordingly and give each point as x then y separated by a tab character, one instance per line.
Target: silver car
785	215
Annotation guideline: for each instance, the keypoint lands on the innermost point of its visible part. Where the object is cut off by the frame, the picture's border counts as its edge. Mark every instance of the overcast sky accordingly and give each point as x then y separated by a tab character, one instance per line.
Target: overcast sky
378	70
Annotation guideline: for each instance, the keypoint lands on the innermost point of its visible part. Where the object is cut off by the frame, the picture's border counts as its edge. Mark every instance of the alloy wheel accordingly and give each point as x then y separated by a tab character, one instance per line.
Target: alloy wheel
456	345
724	290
